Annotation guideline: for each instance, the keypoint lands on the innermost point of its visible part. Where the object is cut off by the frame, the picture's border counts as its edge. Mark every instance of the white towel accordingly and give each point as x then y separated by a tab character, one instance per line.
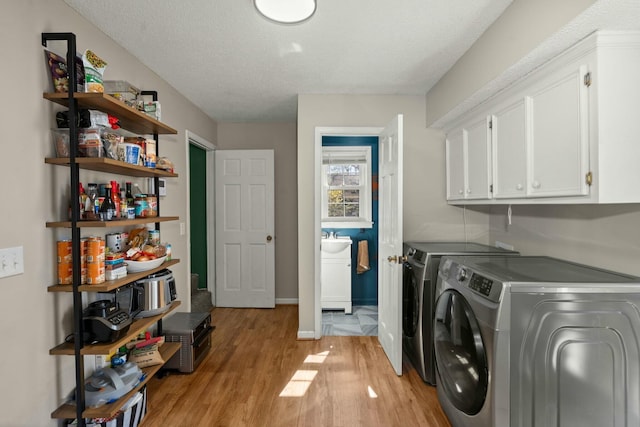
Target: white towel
363	257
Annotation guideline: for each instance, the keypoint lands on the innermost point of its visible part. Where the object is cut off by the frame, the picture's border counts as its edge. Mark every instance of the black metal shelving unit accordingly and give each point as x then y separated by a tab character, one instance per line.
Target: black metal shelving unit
139	123
78	329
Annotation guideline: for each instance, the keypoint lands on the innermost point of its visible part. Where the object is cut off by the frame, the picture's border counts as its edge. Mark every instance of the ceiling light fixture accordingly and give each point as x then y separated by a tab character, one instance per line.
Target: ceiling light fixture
286	11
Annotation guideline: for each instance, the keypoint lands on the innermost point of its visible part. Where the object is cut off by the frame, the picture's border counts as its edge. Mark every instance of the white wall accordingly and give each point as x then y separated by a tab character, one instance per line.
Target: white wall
426	214
33	320
523	26
280	137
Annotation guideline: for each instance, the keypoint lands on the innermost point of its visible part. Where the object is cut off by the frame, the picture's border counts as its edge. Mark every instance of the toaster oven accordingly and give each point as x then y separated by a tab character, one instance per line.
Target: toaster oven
193	332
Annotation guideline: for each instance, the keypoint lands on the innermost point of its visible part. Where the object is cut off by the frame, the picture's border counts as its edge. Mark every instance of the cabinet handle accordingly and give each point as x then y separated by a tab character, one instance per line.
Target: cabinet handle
468	191
269	238
519	187
535	184
460	191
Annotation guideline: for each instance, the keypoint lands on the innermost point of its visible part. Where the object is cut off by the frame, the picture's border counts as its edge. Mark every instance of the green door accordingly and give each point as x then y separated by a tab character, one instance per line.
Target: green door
198	219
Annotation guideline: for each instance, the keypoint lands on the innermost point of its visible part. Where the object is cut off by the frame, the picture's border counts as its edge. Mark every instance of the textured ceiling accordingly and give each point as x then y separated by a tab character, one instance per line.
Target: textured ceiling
238	67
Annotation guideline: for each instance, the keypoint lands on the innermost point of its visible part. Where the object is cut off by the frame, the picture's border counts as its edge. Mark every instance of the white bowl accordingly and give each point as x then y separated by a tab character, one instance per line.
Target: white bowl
137	266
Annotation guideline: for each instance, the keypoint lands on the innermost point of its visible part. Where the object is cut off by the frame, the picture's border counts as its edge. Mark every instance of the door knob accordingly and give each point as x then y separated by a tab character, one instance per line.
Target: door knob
269	238
397	259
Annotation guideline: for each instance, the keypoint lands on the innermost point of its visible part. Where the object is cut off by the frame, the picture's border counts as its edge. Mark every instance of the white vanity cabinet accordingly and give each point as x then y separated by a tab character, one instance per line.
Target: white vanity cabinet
566	133
335	277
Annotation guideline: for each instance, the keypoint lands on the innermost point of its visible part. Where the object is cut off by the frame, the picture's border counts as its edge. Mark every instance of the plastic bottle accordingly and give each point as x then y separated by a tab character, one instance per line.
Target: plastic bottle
107	209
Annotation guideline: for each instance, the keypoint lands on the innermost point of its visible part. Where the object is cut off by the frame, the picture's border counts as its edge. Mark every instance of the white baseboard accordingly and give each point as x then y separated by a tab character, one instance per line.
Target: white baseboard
306	335
287	301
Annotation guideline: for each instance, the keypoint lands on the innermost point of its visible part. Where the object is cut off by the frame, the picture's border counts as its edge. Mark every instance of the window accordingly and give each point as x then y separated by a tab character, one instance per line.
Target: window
346	187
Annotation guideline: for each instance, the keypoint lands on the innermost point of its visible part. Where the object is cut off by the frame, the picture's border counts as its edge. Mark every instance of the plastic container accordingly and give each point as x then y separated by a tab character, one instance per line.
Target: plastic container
89	143
60	139
129	153
122	90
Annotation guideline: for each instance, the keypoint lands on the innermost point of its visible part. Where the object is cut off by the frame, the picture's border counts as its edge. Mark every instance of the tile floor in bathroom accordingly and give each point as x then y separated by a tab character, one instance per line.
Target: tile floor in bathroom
362	322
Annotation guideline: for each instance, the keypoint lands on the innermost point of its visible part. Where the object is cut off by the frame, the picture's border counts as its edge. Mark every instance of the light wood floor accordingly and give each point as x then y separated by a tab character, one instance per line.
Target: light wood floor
255	356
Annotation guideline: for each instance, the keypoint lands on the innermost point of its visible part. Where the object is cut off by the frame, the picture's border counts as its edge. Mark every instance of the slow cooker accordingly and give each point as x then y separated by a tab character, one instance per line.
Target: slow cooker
154	294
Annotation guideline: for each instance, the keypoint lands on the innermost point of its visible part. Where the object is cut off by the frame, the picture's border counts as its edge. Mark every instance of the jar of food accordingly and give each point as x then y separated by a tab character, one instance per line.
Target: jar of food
141	205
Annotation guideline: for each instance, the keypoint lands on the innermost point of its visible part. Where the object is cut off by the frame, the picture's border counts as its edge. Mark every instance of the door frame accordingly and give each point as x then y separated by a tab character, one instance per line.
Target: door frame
321	131
210	148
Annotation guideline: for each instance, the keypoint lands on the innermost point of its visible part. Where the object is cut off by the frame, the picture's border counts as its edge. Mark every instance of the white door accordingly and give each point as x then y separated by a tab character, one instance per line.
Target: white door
245	248
390	243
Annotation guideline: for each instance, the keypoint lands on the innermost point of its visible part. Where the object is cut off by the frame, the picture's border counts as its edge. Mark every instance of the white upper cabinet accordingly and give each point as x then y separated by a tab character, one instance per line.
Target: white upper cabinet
508	137
455	165
468	162
568	132
478	155
558	147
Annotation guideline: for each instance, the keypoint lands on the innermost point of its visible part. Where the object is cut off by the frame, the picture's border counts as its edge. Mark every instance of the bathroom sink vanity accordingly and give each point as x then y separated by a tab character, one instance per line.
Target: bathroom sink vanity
335	279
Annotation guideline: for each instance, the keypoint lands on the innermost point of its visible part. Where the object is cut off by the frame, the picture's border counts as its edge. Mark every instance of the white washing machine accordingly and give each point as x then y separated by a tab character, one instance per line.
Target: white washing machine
536	342
420	274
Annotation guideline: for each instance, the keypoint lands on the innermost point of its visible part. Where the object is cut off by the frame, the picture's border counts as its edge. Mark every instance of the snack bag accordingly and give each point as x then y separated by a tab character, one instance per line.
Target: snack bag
57	66
93	70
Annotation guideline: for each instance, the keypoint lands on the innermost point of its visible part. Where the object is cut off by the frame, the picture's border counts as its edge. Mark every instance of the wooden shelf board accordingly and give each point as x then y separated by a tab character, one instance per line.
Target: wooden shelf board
130	118
113	284
104	164
113	223
68	411
138	325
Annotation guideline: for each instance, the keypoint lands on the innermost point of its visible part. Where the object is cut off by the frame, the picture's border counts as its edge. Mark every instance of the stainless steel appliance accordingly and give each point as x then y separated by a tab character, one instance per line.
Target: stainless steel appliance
154	293
193	331
418	299
536	341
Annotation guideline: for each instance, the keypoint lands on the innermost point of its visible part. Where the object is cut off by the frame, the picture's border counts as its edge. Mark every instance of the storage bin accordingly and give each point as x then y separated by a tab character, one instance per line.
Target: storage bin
131	414
122	90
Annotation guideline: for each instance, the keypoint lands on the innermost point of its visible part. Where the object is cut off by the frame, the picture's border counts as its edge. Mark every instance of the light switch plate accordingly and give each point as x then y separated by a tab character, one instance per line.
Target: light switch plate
11	261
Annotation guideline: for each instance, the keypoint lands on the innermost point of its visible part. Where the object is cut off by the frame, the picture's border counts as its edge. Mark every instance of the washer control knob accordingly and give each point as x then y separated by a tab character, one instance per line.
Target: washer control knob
462	275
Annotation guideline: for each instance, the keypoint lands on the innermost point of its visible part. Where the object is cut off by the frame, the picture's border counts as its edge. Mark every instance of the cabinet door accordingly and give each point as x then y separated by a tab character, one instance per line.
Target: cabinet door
477	146
335	280
509	148
455	165
558	150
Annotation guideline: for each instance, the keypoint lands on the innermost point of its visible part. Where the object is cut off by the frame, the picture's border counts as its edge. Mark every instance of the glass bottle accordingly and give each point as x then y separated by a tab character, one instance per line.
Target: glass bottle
107	209
92	200
83	200
115	196
129	196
